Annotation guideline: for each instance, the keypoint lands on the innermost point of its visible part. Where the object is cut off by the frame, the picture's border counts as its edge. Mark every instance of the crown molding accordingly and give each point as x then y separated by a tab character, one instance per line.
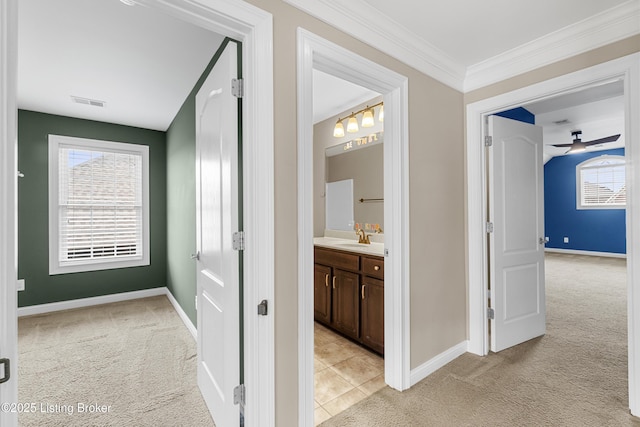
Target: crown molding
598	30
359	20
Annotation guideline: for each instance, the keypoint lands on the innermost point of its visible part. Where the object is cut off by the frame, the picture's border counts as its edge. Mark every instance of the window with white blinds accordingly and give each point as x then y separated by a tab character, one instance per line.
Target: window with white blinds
98	197
601	183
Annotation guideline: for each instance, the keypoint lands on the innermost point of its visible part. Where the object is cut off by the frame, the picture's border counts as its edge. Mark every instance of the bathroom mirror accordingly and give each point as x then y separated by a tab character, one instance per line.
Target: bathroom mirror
363	163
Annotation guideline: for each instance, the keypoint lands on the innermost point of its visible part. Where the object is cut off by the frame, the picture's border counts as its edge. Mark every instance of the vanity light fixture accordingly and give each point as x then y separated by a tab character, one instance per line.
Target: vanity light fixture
368	114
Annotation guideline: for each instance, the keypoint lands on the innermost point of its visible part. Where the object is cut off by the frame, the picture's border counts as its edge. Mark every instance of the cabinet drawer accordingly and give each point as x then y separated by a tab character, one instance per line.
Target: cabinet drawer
337	259
373	267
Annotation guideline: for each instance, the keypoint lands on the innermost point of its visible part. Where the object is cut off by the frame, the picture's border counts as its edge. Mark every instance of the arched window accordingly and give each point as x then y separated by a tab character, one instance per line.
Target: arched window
600	183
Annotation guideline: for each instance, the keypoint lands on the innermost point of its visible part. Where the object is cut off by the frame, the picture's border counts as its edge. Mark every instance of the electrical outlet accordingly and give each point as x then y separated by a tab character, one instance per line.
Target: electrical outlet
20	285
566	240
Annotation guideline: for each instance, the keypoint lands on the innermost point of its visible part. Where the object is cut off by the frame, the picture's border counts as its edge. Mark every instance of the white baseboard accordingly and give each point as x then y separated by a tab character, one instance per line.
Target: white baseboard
591	253
185	319
88	302
435	363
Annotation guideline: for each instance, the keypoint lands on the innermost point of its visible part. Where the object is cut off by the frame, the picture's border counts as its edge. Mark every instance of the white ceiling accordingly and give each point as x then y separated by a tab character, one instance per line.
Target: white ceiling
139	61
473	31
143	63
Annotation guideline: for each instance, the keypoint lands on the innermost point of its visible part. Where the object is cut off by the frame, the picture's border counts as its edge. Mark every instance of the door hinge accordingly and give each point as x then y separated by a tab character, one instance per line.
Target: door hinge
7	370
489	227
491	314
238	395
238	241
237	88
488	141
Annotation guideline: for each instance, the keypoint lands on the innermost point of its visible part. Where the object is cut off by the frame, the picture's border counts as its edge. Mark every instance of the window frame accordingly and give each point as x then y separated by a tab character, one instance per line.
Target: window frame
585	164
56	266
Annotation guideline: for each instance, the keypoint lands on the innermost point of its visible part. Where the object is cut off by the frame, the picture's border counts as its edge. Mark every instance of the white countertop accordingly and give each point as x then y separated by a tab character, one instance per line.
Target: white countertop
373	248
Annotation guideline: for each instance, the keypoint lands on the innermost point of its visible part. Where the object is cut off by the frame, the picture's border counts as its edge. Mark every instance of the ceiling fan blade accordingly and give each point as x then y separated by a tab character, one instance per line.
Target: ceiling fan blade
611	138
562	145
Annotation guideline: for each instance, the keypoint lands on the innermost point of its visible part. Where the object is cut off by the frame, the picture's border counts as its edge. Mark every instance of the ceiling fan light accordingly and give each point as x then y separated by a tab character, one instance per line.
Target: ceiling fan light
577	148
338	131
367	118
352	125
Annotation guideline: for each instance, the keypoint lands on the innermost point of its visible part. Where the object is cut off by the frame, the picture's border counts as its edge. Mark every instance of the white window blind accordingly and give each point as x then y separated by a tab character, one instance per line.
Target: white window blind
601	183
100	204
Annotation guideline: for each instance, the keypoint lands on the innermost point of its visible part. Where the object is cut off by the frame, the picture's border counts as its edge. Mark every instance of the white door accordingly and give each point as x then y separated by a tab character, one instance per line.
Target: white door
516	209
218	278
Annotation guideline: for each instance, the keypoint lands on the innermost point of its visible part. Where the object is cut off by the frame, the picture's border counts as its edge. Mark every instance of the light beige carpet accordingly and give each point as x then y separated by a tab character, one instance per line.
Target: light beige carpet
134	359
576	375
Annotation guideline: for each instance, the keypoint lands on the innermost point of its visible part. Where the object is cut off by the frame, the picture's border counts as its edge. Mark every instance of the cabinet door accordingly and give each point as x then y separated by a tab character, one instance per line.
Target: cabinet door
372	310
346	303
322	293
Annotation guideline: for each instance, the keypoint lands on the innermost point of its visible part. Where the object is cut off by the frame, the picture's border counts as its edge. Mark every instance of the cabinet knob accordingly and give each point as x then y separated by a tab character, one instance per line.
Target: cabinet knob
376	267
334	282
326	280
362	291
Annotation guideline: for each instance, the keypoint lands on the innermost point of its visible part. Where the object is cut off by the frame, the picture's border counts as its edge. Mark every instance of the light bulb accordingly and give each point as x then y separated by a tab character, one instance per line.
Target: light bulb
352	125
367	118
381	114
338	131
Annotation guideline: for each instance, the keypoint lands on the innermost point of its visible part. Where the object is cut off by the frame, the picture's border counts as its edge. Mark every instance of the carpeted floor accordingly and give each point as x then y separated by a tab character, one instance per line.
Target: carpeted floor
576	375
134	361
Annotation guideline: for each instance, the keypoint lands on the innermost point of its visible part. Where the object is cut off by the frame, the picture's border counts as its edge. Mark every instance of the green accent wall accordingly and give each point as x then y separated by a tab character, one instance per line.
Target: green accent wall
181	199
33	232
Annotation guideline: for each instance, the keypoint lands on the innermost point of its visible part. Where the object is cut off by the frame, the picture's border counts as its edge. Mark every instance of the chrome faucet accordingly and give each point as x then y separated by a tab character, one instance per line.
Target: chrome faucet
362	237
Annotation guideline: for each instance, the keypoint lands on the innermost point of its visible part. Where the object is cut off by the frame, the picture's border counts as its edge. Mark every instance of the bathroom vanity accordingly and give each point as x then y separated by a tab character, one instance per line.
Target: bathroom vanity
349	289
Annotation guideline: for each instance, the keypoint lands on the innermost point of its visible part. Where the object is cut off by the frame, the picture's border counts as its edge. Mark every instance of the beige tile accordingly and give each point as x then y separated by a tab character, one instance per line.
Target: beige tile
374	360
333	353
373	385
316	405
328	385
344	401
320	415
318	365
356	370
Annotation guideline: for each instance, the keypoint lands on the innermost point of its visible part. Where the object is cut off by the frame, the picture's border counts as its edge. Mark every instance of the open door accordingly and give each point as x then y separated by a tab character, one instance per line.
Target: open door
217	220
516	233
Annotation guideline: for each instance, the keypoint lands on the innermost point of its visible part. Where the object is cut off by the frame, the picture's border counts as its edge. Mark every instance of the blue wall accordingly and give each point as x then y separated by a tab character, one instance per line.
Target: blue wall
520	114
600	230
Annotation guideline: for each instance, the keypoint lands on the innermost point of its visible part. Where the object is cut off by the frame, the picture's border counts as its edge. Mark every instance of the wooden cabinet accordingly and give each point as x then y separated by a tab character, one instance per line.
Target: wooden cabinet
346	290
322	293
372	312
349	295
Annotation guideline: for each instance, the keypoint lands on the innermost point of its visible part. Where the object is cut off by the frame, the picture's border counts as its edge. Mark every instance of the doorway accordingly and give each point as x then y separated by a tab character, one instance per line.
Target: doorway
253	27
315	53
625	69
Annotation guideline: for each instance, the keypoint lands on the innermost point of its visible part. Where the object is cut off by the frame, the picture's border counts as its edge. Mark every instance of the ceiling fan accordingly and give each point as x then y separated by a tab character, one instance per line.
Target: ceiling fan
579	145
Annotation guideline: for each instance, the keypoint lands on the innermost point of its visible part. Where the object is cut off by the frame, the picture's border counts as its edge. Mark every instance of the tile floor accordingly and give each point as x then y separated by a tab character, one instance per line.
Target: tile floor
345	373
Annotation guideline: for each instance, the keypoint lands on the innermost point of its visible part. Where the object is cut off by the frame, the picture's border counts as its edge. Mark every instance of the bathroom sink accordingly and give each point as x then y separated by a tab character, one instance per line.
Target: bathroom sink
353	245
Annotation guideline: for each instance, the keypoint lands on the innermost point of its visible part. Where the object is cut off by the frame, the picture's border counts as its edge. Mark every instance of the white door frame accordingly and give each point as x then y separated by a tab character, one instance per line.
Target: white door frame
626	68
254	28
317	53
8	202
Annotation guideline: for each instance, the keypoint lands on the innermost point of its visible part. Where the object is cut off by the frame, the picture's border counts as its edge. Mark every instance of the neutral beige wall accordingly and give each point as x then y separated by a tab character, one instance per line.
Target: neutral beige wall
438	289
322	139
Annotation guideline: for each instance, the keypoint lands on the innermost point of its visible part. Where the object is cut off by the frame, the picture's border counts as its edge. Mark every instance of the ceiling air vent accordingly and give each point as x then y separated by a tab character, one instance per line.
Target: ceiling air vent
87	101
561	122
